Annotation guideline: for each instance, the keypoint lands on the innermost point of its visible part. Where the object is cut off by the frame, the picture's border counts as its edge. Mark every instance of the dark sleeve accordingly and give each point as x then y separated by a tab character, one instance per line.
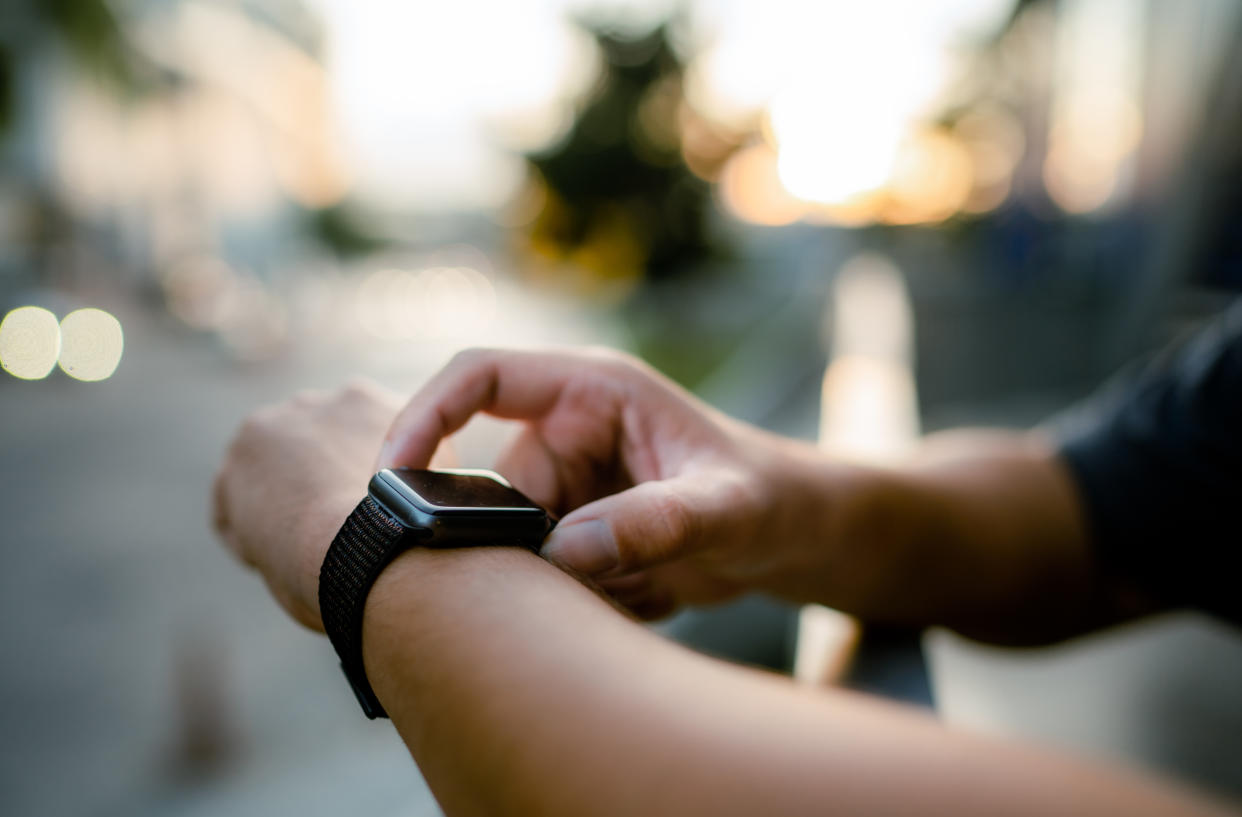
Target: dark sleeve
1158	462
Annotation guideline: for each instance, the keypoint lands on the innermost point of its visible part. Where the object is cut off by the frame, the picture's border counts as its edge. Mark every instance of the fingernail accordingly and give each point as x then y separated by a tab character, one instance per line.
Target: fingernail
588	547
385	455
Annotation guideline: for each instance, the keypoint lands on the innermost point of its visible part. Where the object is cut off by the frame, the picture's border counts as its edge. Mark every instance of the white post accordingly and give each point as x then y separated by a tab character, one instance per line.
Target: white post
869	412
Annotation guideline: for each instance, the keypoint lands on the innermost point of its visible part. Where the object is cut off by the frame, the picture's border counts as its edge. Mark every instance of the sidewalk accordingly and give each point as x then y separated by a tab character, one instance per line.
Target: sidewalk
145	672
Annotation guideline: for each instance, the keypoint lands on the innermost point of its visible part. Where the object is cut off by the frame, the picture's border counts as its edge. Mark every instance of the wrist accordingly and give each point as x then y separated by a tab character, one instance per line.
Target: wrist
895	547
314	530
418	599
839	526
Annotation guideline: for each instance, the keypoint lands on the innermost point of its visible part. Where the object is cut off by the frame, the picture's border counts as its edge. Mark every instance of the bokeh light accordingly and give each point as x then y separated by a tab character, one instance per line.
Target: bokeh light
993	138
29	342
262	118
433	96
869	407
931	179
201	290
1095	122
828	157
1089	141
91	344
257	324
751	188
437	302
835	90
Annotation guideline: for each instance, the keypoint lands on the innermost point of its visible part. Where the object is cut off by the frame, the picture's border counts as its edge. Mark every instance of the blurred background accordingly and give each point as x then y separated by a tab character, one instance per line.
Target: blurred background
856	222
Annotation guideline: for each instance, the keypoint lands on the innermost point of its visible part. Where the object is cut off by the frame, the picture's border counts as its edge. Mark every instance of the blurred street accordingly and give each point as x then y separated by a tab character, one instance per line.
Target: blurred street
145	671
105	502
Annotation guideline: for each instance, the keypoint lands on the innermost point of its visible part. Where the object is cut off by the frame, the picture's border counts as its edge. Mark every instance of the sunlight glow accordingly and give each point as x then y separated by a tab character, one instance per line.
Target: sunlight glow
845	91
833	150
431	96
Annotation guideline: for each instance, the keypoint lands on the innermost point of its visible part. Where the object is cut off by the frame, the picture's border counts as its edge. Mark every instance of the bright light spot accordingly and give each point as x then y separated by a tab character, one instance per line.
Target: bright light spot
839	118
730	86
1089	142
91	344
856	211
1095	122
833	150
826	641
752	190
869	407
871	314
931	180
844	86
29	342
1077	187
439	302
425	90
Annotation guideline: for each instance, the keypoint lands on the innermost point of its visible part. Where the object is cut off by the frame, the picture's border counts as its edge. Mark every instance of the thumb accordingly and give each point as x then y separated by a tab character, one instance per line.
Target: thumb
651	523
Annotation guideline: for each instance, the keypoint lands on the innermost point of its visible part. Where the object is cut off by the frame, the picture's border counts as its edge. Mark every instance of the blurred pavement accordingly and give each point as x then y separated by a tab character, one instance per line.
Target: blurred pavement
144	671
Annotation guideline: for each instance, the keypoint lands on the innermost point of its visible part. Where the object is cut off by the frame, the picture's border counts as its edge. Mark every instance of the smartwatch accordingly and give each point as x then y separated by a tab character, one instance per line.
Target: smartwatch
405	507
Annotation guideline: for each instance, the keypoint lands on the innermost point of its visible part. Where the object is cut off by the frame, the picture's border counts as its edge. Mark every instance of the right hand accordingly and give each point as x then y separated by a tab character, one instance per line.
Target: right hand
664	500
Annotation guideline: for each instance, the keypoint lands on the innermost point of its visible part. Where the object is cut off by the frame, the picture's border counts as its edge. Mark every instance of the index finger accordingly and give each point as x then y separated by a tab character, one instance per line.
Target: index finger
510	384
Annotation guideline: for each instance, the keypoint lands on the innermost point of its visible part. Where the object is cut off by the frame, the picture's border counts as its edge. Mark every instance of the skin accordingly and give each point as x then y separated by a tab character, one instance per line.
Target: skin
665	502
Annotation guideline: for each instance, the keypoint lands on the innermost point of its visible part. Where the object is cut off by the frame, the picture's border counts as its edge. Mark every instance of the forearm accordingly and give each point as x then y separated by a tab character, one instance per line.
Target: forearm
979	531
1021	568
518	691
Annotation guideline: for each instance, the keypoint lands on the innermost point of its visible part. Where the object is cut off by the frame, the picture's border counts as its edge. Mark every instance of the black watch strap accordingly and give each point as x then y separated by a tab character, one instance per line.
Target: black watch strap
368	541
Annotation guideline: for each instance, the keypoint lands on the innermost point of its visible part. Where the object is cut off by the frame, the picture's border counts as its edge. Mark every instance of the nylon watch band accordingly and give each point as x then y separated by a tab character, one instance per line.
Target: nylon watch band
368	541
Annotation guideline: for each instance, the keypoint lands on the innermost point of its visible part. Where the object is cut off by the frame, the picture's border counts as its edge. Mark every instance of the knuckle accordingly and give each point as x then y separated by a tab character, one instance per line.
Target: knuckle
255	423
256	426
679	525
470	358
622	367
610	358
359	385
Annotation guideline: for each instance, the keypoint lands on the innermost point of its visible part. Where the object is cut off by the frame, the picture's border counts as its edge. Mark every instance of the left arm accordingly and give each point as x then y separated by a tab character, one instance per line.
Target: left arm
519	691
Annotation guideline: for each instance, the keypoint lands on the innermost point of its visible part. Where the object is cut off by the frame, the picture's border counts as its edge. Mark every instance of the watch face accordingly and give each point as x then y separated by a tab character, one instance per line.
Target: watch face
463	490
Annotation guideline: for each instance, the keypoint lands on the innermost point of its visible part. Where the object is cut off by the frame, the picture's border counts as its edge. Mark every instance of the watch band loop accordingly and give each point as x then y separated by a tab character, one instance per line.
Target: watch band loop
368	541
